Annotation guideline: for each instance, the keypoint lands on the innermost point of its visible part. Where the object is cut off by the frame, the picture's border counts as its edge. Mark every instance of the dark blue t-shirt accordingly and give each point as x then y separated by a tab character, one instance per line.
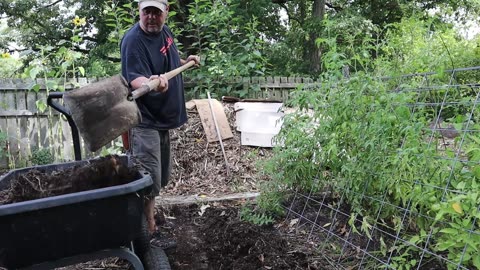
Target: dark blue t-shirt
144	55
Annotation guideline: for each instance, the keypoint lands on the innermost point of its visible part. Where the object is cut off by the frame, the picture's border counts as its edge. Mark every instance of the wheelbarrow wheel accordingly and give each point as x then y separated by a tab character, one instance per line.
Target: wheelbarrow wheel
141	244
155	259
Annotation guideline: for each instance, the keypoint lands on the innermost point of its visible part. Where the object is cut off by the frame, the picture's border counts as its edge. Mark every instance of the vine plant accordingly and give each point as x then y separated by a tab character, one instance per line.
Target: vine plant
358	138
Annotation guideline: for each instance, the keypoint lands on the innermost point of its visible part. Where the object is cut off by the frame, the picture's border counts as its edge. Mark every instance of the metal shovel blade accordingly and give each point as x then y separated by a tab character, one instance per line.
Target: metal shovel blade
102	111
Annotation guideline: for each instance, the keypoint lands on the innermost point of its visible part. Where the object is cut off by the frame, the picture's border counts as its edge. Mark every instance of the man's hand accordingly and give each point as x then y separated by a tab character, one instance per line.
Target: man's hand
195	58
162	84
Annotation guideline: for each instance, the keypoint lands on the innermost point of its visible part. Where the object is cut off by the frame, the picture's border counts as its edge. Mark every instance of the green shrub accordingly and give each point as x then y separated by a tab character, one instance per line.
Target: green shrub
42	156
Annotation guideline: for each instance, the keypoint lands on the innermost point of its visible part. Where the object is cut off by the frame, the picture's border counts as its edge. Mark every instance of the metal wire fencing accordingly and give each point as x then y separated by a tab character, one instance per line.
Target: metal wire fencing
436	225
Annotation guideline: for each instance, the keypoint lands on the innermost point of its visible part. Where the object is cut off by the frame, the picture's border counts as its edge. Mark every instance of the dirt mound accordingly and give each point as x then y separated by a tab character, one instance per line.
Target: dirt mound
215	238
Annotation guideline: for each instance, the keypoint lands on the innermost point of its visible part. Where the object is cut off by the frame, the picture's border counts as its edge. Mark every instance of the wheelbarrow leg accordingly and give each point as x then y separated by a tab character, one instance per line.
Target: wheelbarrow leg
122	253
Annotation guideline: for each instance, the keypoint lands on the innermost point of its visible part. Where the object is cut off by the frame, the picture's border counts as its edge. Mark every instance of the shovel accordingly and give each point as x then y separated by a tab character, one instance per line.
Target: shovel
104	110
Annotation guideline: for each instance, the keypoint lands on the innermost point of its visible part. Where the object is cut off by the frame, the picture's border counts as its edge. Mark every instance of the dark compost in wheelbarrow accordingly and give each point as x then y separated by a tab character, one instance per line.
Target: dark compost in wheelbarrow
55	211
38	183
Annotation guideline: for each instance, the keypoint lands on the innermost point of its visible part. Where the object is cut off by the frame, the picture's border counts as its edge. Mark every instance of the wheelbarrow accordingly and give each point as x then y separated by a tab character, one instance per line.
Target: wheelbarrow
78	227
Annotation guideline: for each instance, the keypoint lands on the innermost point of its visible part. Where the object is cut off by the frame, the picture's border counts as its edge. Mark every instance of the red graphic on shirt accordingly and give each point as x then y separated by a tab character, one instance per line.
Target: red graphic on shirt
165	48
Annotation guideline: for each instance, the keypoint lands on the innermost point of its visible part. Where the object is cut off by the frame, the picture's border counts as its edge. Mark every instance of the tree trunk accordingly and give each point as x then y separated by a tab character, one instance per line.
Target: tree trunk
315	51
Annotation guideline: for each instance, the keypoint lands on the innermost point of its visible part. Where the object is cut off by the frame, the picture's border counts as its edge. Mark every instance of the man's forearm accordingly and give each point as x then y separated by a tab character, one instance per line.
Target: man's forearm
138	82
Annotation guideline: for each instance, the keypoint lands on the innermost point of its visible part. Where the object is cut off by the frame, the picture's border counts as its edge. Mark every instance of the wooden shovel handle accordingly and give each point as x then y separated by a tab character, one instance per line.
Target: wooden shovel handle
152	84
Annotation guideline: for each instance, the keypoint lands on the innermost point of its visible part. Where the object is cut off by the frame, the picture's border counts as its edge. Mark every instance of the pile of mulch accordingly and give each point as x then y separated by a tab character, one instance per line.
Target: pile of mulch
37	183
199	167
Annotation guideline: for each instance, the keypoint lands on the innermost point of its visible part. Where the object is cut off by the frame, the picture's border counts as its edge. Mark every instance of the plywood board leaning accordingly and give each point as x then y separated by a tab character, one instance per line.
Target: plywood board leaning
208	124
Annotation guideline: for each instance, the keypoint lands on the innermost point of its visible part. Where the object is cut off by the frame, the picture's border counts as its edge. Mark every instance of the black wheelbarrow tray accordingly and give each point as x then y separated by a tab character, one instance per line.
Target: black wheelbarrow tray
73	227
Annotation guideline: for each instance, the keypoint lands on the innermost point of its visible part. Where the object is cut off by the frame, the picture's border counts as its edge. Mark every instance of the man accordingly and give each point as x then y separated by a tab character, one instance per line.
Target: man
148	50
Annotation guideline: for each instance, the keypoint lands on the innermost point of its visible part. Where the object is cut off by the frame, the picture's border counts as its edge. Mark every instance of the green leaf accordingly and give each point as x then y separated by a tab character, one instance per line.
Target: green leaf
449	231
33	72
476	171
445	245
41	106
36	87
52	85
82	70
476	261
403	112
414	239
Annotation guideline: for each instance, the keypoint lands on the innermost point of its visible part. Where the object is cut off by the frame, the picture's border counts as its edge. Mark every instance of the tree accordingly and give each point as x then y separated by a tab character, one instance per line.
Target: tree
292	44
356	17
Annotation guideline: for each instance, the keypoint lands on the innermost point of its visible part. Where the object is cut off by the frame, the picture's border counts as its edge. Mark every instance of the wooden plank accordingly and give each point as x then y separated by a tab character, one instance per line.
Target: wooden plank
8	100
31	102
3	147
3	103
285	95
68	153
44	136
34	122
16	84
208	124
13	137
253	88
11	124
55	135
246	85
200	198
21	100
32	133
15	113
25	150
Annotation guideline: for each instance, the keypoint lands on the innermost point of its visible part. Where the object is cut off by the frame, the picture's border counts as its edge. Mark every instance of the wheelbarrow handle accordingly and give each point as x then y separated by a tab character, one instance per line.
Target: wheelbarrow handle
56	105
152	84
66	112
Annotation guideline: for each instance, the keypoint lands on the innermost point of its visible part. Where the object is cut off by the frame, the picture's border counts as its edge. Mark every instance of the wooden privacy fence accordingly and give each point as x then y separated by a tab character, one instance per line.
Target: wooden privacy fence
24	129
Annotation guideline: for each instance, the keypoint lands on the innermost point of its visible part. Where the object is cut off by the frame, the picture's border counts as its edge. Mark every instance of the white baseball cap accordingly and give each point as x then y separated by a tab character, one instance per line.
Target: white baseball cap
160	4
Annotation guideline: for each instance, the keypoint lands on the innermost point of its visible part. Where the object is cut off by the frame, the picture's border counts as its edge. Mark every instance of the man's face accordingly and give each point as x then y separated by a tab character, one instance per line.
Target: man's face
152	19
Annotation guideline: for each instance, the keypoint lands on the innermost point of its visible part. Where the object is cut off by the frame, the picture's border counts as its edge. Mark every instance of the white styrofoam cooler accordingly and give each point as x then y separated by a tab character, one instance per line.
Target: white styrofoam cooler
258	122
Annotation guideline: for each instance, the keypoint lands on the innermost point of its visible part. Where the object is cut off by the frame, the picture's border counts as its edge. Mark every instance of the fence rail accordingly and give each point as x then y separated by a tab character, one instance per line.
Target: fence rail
28	129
